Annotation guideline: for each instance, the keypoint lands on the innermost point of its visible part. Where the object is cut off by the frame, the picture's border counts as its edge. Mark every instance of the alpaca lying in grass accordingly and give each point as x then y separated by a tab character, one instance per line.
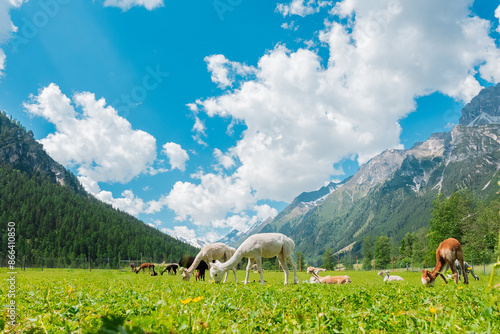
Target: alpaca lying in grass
310	270
331	279
385	275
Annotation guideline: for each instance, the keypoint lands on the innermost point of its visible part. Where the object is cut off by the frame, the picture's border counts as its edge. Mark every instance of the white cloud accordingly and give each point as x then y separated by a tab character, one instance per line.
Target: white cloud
127	4
180	231
302	117
210	200
102	145
497	15
302	7
290	26
224	72
224	159
128	203
7	28
176	155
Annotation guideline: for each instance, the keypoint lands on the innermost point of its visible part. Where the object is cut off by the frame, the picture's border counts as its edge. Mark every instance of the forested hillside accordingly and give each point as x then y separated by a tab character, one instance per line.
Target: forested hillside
55	217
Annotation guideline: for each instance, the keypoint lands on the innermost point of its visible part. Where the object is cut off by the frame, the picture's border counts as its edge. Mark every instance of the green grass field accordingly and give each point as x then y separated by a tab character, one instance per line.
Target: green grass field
110	301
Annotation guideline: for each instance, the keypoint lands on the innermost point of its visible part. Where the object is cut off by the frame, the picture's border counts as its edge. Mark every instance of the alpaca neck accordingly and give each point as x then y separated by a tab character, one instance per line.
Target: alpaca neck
439	266
317	276
195	264
232	261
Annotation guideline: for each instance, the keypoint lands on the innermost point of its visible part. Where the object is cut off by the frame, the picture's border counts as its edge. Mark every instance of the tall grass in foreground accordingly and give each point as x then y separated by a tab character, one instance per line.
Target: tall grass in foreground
78	301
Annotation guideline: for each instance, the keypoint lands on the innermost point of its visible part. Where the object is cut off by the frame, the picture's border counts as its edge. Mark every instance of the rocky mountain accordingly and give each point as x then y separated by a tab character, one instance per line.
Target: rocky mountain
235	238
392	193
483	109
19	150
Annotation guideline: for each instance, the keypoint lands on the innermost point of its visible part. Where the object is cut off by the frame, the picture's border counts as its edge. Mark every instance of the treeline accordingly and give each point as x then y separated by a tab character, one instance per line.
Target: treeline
53	221
463	216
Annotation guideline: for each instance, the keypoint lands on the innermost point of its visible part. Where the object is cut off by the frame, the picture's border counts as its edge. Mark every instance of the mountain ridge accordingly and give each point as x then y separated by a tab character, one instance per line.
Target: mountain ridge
392	193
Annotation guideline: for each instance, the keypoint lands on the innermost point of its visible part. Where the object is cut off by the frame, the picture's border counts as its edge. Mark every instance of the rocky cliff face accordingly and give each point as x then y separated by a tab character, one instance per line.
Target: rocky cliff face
483	109
20	150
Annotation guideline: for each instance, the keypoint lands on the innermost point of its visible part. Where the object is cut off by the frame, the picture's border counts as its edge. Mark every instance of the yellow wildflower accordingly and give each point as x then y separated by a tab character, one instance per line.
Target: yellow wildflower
197	299
460	287
432	309
186	301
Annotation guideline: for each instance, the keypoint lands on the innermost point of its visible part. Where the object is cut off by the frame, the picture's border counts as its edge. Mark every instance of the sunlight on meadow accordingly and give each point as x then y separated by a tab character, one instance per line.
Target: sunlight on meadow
78	301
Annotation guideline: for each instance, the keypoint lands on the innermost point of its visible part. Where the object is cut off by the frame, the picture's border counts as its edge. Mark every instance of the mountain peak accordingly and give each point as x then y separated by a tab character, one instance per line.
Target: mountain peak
483	109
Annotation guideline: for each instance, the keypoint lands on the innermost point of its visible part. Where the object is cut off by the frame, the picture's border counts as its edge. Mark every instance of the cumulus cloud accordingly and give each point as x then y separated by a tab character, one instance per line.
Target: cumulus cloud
180	232
210	200
302	7
224	72
7	28
303	115
497	15
224	159
97	141
127	4
176	155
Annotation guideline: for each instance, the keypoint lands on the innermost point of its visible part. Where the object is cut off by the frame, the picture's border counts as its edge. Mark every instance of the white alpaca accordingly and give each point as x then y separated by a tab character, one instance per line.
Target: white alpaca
385	275
256	247
209	253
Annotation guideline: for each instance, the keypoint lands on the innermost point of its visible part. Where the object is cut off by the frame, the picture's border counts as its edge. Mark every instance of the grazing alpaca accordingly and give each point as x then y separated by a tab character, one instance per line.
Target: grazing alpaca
171	268
199	275
331	279
310	270
468	269
256	247
187	261
154	272
210	253
144	266
132	266
447	252
385	275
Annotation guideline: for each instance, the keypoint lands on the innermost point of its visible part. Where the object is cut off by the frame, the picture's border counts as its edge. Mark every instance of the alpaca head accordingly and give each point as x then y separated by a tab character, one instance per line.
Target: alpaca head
428	278
381	273
216	272
185	274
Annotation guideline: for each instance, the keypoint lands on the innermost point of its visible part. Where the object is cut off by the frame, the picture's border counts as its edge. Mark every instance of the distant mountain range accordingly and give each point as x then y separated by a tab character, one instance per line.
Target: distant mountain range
392	193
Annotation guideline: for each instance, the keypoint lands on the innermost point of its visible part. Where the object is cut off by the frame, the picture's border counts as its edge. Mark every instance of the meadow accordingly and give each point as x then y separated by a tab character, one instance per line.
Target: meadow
112	301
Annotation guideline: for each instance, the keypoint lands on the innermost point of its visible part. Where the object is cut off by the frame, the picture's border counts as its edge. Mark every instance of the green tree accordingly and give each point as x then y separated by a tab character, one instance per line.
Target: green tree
382	251
348	261
367	252
450	215
328	259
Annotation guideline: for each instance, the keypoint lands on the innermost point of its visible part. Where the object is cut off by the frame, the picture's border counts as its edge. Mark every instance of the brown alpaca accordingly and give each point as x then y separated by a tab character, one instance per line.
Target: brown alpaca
447	252
200	275
332	279
132	265
144	266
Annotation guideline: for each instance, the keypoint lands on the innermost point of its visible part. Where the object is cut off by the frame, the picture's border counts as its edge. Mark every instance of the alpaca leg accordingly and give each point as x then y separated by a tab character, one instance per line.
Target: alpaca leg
284	265
290	260
464	272
234	271
454	271
249	266
258	260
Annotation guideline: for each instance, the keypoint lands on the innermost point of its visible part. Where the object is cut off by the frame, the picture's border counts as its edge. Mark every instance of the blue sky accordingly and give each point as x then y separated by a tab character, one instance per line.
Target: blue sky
207	116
